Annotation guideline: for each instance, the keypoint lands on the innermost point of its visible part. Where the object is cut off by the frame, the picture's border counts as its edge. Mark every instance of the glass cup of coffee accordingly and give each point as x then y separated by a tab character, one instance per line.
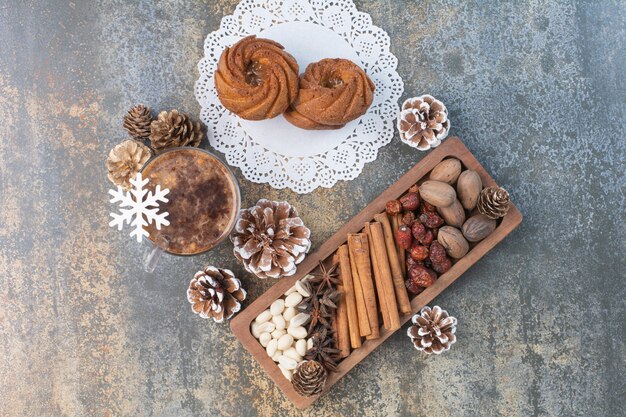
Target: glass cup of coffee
203	202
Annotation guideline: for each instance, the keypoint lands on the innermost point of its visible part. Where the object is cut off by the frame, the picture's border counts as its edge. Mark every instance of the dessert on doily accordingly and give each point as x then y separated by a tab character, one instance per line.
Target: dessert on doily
274	151
256	78
332	93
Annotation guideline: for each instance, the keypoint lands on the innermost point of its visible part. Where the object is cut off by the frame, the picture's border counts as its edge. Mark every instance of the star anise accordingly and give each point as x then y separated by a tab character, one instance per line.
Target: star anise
325	278
322	350
328	302
318	313
321	308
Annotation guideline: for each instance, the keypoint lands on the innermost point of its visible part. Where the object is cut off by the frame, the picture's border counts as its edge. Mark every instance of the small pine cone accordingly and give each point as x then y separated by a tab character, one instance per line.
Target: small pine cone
423	122
270	239
215	293
309	378
433	330
137	122
172	129
493	202
125	161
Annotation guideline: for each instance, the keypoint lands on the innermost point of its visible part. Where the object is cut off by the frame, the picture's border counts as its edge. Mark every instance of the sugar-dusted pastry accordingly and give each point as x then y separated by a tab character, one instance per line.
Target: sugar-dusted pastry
332	93
256	79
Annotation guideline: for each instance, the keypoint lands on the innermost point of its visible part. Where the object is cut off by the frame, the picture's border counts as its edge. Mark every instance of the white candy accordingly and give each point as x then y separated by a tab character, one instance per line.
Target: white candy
276	334
263	317
300	288
265	338
309	343
254	329
277	355
279	322
285	342
293	354
293	299
271	348
297	332
290	290
287	362
277	307
289	313
299	320
301	347
266	327
286	372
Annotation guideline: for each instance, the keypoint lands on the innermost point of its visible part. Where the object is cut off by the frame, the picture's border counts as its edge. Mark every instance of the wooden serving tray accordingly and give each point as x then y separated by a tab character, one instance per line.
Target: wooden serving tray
451	147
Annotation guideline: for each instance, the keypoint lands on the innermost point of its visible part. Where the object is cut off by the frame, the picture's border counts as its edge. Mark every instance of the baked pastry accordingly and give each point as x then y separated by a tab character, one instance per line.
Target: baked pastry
256	79
332	93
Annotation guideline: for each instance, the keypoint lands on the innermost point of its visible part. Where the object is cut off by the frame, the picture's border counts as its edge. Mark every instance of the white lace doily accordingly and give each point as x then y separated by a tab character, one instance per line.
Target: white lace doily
273	151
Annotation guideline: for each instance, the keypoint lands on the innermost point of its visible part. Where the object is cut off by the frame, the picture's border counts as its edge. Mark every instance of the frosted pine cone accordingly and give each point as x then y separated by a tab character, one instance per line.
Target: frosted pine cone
433	330
493	202
270	239
172	129
309	378
137	122
125	161
215	293
423	122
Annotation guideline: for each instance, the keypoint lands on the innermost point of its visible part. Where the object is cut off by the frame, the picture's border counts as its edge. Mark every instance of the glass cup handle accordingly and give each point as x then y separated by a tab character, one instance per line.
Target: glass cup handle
158	249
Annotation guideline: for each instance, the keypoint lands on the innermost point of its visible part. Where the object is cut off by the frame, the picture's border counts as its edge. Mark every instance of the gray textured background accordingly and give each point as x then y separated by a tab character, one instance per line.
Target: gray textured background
536	91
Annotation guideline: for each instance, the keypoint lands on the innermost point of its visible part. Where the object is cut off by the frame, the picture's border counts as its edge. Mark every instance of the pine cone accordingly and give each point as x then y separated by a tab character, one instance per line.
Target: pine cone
493	202
215	293
270	239
137	122
125	161
423	122
433	330
172	129
309	378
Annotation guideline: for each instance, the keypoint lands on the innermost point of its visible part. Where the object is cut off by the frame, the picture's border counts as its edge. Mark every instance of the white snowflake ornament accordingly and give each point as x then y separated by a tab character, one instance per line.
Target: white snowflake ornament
143	207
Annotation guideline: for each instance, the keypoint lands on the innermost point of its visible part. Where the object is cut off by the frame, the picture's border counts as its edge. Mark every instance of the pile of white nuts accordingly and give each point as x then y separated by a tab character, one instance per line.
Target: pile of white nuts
280	330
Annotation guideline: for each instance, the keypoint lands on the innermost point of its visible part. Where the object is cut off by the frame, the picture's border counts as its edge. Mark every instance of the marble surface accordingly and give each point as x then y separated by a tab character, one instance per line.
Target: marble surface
536	91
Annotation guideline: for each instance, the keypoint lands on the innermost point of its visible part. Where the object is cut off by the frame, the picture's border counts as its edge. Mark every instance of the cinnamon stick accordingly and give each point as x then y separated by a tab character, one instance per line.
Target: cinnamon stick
361	308
358	244
386	290
346	280
402	296
382	299
341	319
395	223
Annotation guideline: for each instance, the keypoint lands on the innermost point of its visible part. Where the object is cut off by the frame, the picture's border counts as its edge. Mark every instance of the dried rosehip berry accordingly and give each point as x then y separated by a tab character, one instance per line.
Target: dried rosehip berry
418	230
431	220
408	218
432	273
414	188
410	262
419	252
442	267
421	277
428	237
410	201
404	239
413	289
437	253
427	208
393	207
